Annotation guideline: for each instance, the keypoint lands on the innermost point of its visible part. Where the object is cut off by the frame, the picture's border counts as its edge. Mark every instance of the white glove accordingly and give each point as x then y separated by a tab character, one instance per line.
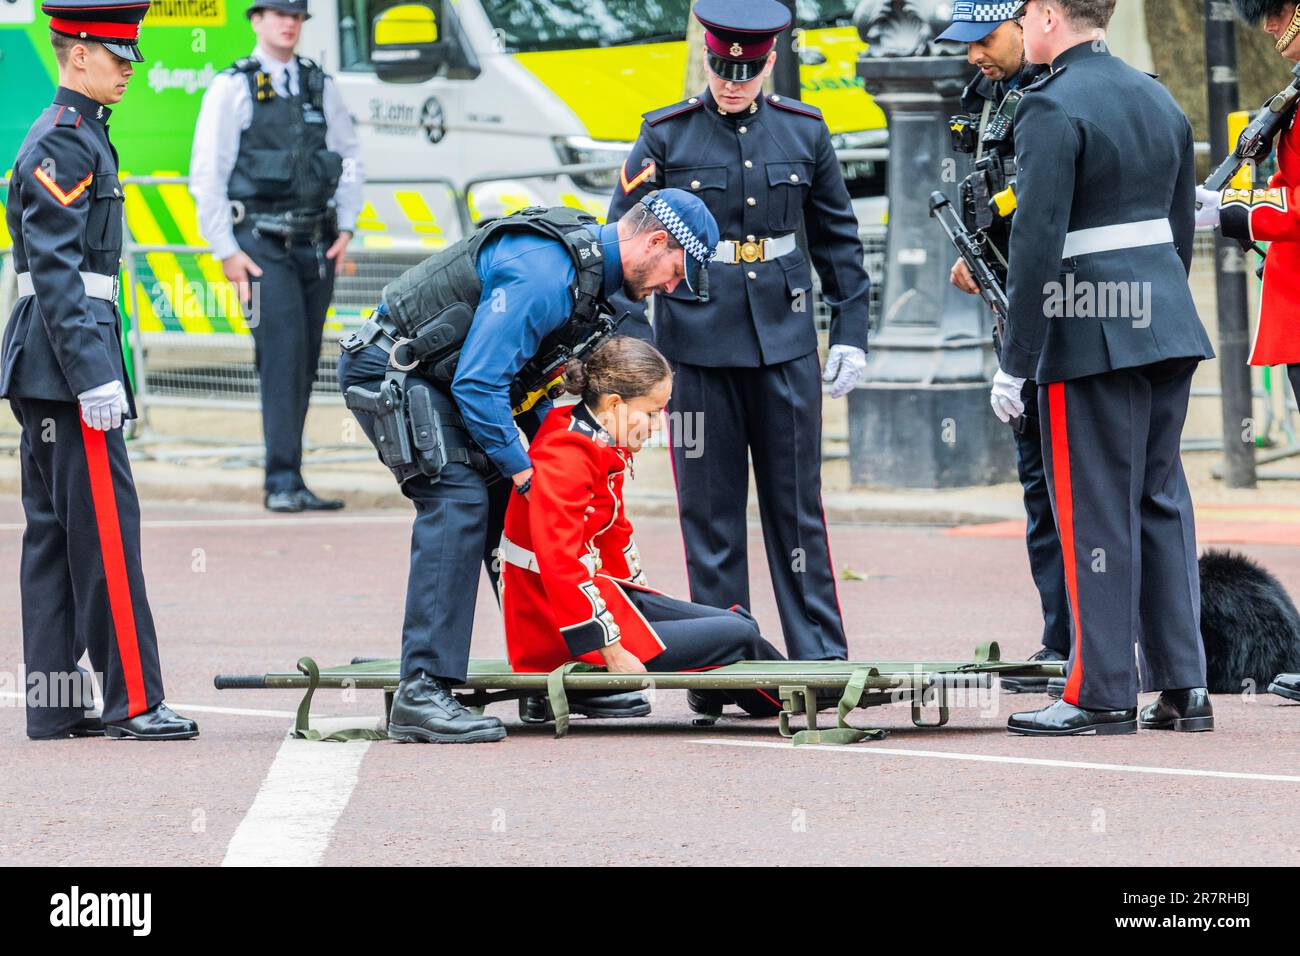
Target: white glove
1208	213
846	366
1005	398
104	406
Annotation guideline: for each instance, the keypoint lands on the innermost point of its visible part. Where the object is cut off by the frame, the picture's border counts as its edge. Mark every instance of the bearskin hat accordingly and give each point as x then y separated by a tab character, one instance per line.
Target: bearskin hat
1254	11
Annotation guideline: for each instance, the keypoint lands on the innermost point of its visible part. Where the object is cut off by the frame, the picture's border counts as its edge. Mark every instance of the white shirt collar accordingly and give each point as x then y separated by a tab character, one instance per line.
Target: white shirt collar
275	68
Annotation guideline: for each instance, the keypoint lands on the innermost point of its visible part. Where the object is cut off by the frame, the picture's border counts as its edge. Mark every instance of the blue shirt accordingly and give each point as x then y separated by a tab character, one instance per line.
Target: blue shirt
527	294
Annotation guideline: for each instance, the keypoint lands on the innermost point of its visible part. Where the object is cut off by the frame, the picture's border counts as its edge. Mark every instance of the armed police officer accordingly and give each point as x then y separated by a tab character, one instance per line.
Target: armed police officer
1101	316
996	44
62	370
745	362
276	175
458	359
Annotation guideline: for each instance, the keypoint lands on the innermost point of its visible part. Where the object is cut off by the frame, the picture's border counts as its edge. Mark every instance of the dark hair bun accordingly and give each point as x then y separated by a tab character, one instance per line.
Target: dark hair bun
621	365
575	378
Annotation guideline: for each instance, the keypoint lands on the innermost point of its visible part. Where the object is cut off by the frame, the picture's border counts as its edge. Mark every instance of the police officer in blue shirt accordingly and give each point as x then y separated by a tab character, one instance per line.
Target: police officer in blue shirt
745	362
996	44
276	174
62	370
448	370
1102	318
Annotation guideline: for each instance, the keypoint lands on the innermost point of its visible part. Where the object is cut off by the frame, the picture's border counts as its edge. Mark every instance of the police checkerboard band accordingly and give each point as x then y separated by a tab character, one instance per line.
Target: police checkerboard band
680	231
971	12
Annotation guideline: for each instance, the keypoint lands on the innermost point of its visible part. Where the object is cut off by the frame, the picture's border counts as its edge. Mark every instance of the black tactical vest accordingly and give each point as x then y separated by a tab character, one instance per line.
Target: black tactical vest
451	276
283	164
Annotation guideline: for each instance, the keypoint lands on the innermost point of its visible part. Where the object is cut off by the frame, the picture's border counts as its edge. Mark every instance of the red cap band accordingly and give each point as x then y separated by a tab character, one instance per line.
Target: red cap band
115	31
733	50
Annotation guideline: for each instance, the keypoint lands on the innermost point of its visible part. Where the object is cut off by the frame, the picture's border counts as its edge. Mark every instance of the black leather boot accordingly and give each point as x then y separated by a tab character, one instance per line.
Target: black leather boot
426	711
285	502
593	703
1060	719
1286	685
1034	685
707	703
1187	710
92	725
158	723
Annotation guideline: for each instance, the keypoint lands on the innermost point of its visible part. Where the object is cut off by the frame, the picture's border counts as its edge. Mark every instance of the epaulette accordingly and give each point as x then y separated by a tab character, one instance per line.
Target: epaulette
599	436
309	64
244	64
1046	78
794	106
655	117
67	116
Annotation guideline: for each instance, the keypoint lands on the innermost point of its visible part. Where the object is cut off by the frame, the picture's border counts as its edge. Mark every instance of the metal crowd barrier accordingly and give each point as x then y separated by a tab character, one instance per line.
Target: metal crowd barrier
215	369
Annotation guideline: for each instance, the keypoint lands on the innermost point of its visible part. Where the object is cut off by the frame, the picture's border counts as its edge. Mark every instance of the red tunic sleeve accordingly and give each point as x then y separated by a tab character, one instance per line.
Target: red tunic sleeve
566	467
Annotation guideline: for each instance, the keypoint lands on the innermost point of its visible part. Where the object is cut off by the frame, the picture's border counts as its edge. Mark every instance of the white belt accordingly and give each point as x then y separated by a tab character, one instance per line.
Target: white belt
1127	235
732	251
521	557
97	286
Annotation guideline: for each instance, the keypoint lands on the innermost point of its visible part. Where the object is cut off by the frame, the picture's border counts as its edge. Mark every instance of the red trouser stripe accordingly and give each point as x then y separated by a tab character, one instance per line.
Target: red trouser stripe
110	546
1065	525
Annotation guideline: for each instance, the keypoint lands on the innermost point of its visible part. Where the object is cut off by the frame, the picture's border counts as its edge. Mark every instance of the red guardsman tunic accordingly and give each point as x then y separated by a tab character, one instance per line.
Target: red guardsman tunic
1273	215
564	568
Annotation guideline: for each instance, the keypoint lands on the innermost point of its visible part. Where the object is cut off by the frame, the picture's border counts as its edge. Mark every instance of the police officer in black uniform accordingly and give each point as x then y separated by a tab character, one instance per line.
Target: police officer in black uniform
996	44
746	373
62	371
276	176
459	358
1102	318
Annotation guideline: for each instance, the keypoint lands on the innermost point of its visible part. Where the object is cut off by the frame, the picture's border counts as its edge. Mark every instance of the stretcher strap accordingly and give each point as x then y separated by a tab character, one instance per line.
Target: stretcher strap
302	729
844	732
559	699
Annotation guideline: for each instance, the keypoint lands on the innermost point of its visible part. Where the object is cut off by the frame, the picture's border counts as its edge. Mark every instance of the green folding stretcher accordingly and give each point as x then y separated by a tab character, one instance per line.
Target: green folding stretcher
924	685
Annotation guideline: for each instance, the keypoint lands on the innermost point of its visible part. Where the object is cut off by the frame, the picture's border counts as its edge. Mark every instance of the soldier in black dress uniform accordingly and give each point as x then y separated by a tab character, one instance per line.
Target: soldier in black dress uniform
996	44
1102	318
62	371
746	372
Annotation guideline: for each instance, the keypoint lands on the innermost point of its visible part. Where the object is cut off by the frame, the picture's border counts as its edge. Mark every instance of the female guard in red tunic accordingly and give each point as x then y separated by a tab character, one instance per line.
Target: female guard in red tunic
1272	214
572	583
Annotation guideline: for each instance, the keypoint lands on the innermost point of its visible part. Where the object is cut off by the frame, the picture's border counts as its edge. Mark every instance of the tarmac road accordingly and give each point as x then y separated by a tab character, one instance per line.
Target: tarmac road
237	591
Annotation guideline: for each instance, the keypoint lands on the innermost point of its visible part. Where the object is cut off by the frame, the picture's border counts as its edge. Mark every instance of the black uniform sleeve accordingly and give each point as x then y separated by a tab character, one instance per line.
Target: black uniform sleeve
836	248
1047	148
642	172
1182	211
55	183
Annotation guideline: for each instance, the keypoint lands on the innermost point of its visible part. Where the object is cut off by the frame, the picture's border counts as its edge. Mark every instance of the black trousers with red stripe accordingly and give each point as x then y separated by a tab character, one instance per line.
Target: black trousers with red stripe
1124	514
82	586
697	637
773	413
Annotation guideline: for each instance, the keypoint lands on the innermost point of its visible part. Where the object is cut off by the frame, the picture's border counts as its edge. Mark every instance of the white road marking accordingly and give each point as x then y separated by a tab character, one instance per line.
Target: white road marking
875	750
196	708
299	803
286	521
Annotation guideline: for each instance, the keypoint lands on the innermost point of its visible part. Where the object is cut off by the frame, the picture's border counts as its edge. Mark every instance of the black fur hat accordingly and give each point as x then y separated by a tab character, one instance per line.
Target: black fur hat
1249	626
1254	11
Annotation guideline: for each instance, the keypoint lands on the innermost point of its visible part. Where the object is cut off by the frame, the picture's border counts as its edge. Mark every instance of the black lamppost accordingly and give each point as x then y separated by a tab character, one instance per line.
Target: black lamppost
922	420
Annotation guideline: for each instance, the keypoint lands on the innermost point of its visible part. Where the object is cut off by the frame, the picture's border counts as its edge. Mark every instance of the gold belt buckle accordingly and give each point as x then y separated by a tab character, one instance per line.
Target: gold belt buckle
751	251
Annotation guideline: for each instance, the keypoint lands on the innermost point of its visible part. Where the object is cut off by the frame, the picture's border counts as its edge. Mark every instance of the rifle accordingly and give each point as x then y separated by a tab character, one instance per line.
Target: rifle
972	249
543	375
1256	141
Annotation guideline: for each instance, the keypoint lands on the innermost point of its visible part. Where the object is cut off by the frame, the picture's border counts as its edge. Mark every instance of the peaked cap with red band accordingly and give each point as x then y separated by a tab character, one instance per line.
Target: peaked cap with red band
113	23
739	34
